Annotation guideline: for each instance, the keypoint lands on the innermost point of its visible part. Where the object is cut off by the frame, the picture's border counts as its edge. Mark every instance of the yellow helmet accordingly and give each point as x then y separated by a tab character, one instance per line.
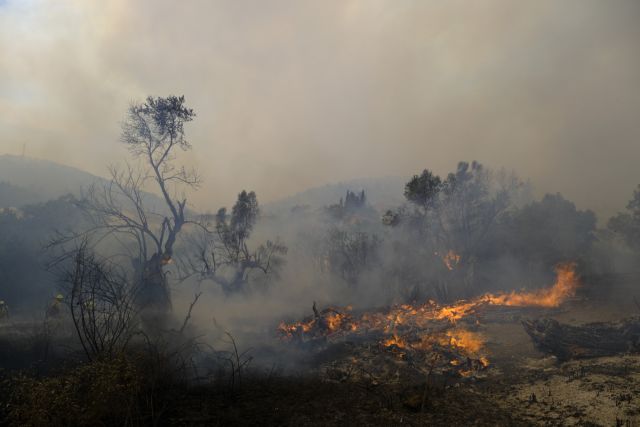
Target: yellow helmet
1	302
59	297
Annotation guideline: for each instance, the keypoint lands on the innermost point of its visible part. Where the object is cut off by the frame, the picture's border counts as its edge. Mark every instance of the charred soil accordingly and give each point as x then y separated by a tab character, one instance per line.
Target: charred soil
346	383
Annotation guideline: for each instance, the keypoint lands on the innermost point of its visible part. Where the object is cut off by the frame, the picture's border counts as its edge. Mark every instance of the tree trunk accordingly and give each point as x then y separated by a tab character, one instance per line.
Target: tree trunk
153	295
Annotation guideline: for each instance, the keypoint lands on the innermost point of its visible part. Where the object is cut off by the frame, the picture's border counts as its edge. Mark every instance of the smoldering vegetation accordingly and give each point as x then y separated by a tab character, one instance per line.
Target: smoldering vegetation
456	237
119	307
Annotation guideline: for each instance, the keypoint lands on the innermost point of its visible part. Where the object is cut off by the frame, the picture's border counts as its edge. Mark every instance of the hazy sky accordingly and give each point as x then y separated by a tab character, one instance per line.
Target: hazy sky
293	94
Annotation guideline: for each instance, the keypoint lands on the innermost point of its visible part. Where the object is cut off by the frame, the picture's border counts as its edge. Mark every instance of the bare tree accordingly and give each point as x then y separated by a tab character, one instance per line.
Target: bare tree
100	302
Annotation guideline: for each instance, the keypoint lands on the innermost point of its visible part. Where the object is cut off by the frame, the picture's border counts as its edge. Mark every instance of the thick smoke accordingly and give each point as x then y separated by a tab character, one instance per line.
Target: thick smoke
308	93
475	231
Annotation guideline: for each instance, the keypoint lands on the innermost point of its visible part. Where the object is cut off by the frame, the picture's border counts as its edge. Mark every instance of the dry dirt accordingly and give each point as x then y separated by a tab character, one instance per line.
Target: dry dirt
538	390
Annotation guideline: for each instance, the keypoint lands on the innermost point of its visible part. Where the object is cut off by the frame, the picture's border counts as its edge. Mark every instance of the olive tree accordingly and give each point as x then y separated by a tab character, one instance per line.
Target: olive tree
154	133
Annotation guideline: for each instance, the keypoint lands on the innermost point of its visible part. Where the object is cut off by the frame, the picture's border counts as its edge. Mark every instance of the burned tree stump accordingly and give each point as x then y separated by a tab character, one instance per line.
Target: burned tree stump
585	341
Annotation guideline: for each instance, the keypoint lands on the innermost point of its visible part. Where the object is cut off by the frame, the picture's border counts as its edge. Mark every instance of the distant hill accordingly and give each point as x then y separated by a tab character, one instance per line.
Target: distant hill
382	193
42	179
24	180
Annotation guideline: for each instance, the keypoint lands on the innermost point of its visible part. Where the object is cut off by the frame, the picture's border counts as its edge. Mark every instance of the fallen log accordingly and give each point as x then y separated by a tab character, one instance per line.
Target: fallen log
585	341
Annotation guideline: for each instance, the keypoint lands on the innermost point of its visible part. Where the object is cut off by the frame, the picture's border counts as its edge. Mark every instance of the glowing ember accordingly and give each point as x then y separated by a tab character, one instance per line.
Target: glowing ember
395	340
451	260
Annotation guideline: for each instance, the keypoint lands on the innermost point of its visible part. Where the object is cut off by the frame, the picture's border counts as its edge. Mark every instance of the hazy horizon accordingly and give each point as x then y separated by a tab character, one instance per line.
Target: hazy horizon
292	95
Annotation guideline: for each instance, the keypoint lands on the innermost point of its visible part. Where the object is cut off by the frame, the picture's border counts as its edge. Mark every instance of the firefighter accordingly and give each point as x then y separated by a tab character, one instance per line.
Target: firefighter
4	311
55	308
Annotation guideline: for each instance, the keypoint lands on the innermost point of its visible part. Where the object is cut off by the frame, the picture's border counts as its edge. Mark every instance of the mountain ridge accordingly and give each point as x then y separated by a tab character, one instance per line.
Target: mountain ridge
41	180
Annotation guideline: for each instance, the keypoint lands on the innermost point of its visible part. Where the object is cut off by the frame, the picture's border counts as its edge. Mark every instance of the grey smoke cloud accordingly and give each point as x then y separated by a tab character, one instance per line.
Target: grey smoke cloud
293	94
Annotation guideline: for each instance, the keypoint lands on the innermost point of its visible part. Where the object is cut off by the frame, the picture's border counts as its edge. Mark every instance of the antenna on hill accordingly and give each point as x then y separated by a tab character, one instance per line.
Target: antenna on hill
24	149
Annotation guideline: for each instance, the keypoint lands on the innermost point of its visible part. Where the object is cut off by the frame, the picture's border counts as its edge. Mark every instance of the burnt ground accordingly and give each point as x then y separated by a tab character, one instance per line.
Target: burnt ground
598	392
314	402
521	387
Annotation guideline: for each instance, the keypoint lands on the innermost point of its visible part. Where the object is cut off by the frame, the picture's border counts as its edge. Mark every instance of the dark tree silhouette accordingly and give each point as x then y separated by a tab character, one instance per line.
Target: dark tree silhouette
349	254
627	224
353	203
422	190
225	256
153	132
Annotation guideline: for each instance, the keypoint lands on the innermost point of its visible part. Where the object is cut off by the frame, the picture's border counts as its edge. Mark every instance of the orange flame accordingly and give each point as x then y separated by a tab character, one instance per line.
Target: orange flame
420	317
334	321
565	287
457	311
471	342
466	342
